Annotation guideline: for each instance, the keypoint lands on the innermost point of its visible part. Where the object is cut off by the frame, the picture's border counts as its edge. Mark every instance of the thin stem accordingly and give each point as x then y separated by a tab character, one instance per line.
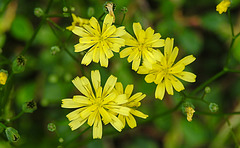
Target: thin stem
55	25
208	82
74	138
101	16
18	116
217	114
55	15
232	133
124	14
230	22
2	125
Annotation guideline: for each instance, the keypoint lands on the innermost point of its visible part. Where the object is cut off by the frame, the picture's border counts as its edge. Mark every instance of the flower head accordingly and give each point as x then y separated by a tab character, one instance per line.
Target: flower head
95	107
77	21
100	43
223	6
189	111
141	47
132	102
3	76
163	72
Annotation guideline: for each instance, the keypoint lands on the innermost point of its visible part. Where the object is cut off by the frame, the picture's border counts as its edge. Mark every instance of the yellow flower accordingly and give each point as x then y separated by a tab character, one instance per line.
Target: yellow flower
100	43
189	111
142	47
3	77
98	107
132	103
164	71
77	21
223	6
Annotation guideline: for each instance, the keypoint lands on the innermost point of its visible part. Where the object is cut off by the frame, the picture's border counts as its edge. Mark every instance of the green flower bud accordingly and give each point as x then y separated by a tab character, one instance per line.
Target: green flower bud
213	107
72	9
90	11
51	127
124	9
65	9
19	64
61	140
207	89
38	12
12	134
54	50
29	107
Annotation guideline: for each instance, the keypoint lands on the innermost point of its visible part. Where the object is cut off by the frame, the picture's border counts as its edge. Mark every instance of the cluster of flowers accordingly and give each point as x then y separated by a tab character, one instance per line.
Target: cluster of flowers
111	104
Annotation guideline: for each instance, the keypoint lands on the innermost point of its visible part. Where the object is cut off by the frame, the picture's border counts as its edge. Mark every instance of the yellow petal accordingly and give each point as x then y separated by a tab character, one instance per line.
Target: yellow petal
129	40
109	98
119	32
81	99
94	23
143	70
139	99
90	30
74	114
109	31
109	85
96	79
150	78
160	91
77	123
131	121
159	77
116	123
159	43
87	111
178	86
128	90
96	53
149	33
135	96
80	31
168	85
108	20
121	99
176	68
168	48
136	63
119	41
92	117
137	29
122	119
107	50
186	76
88	57
103	59
126	52
105	115
135	53
97	128
173	56
148	56
186	60
69	103
119	87
138	114
156	37
82	46
88	40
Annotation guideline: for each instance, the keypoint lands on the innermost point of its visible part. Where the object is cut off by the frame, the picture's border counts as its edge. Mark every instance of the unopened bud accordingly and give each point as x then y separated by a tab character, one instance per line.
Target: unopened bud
3	76
29	107
61	140
91	11
54	50
124	10
12	134
72	9
51	127
19	64
65	9
213	107
38	12
207	89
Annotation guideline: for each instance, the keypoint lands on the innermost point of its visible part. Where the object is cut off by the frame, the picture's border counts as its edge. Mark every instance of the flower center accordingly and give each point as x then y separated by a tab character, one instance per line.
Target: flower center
98	102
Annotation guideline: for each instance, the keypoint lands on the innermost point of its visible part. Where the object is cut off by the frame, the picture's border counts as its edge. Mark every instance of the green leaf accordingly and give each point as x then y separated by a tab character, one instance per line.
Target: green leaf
22	28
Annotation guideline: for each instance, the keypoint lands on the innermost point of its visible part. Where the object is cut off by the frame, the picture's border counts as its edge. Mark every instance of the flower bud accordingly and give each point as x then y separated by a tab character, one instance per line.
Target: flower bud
213	107
51	127
54	50
91	11
38	12
72	9
3	76
19	64
124	10
207	89
65	9
12	134
29	107
61	140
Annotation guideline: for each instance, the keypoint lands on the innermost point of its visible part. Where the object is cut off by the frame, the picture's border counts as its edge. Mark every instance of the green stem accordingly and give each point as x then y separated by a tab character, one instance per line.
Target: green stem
232	133
218	114
55	15
18	116
56	25
5	6
230	22
208	82
2	125
101	16
124	14
74	138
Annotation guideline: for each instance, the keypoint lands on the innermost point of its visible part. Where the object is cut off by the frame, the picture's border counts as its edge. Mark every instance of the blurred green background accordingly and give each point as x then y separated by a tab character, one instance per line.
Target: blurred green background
196	28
